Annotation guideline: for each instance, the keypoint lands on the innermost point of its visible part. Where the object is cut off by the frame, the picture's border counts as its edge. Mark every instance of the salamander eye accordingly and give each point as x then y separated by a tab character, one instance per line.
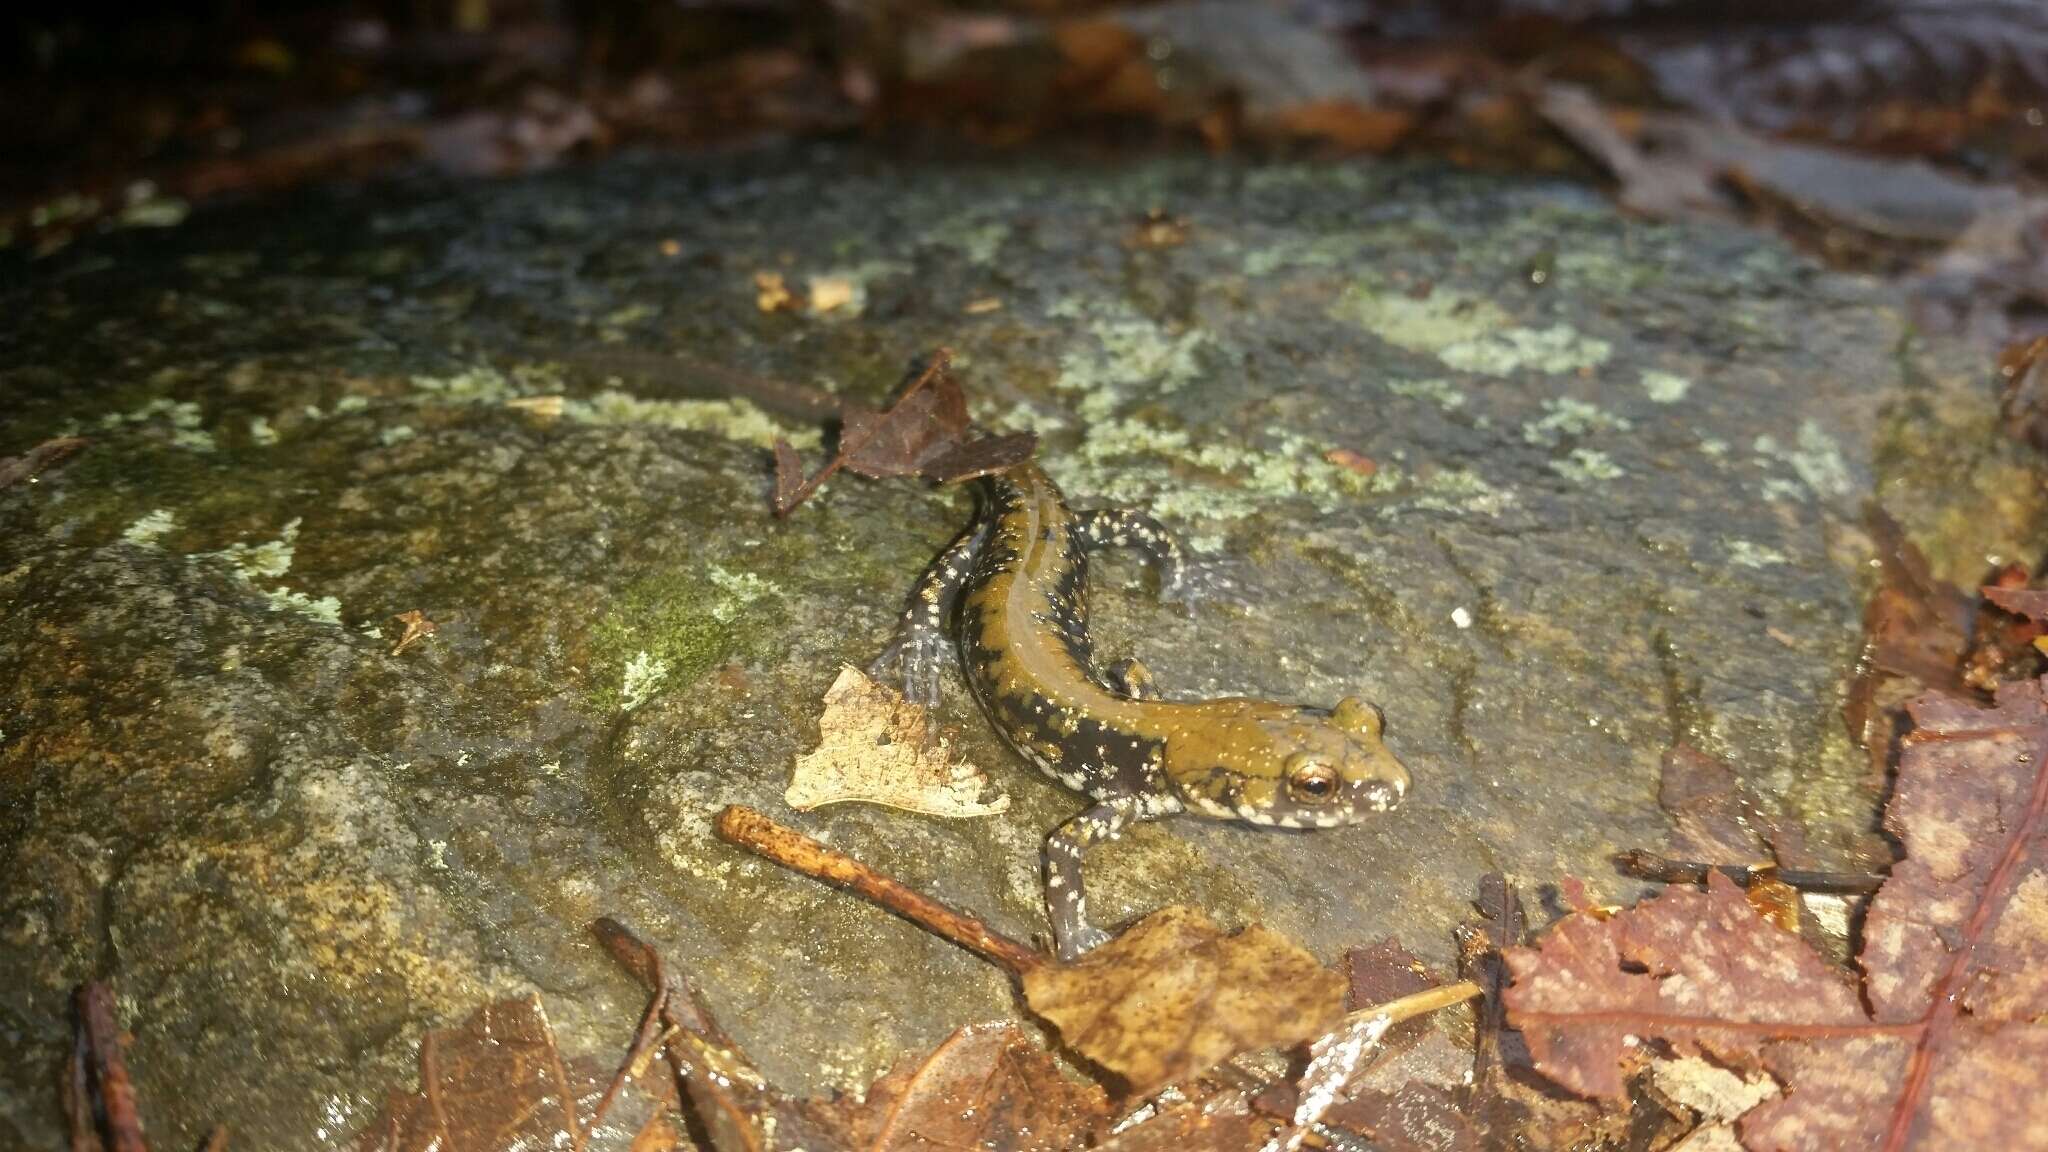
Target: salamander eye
1312	781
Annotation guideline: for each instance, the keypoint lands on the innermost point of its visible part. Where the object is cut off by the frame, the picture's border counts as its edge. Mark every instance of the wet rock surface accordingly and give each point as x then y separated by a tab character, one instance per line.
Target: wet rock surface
1556	488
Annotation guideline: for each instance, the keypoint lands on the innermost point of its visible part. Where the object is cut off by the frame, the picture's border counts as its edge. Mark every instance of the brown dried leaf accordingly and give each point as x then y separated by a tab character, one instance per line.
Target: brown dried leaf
1717	819
982	457
1174	996
876	747
1968	808
1954	954
1916	628
1699	970
2028	603
772	294
1417	1117
416	628
988	1086
1377	973
728	1101
15	469
498	1082
925	433
927	420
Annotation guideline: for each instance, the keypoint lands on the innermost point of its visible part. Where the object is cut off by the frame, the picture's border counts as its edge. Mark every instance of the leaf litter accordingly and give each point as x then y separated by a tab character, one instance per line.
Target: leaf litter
1954	963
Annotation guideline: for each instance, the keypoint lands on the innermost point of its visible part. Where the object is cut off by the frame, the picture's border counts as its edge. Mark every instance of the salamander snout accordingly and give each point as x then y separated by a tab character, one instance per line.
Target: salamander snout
1374	779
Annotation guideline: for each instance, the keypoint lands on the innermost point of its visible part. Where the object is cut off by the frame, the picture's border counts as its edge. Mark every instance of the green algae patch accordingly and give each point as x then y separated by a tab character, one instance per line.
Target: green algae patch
150	528
184	419
1126	351
261	564
1134	461
1438	392
1553	351
737	420
1586	465
1813	456
1665	387
1564	417
1467	333
666	632
1442	319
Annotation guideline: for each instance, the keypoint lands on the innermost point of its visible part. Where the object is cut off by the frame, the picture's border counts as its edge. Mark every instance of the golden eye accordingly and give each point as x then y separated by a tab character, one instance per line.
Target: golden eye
1312	782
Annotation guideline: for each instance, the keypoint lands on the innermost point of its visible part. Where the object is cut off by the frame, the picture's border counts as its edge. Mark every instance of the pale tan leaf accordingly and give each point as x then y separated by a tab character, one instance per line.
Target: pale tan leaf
876	747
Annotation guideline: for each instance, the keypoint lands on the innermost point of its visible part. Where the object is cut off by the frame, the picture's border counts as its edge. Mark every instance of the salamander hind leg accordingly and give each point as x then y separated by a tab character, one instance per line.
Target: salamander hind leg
917	653
1181	581
1065	898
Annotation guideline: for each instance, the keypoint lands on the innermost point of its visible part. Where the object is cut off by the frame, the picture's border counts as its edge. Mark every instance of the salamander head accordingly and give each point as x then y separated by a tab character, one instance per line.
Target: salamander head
1294	767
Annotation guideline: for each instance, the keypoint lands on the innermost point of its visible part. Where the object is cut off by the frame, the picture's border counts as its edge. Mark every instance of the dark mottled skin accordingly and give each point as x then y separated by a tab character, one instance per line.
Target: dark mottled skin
1018	579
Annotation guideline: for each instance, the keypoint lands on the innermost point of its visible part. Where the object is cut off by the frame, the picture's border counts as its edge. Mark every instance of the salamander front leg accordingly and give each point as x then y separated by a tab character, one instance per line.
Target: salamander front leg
1180	582
917	653
1131	675
1064	896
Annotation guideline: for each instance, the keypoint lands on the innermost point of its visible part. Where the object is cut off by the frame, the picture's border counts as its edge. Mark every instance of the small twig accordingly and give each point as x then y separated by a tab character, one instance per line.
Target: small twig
117	1091
794	850
560	1072
85	1133
1650	866
1419	1003
430	1086
1502	907
636	1057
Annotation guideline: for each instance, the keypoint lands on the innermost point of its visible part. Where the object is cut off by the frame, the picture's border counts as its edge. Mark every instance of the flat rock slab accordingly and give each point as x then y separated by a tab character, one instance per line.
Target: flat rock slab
1557	489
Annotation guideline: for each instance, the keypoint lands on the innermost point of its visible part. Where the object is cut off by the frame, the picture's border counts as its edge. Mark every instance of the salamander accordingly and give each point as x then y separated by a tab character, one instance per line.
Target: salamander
1015	583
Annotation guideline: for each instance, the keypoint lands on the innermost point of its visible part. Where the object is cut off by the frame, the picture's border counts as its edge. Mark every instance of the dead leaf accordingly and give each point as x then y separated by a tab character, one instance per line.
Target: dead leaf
1954	956
829	293
1698	969
925	433
1916	628
1846	71
1174	996
1417	1117
498	1082
1715	817
546	407
1352	461
772	294
988	1086
1224	1122
1377	973
417	628
15	469
876	747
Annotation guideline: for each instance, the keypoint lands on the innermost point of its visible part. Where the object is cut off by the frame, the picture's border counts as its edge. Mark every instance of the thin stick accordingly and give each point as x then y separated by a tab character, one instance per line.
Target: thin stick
1650	866
794	850
635	1062
1420	1003
117	1092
